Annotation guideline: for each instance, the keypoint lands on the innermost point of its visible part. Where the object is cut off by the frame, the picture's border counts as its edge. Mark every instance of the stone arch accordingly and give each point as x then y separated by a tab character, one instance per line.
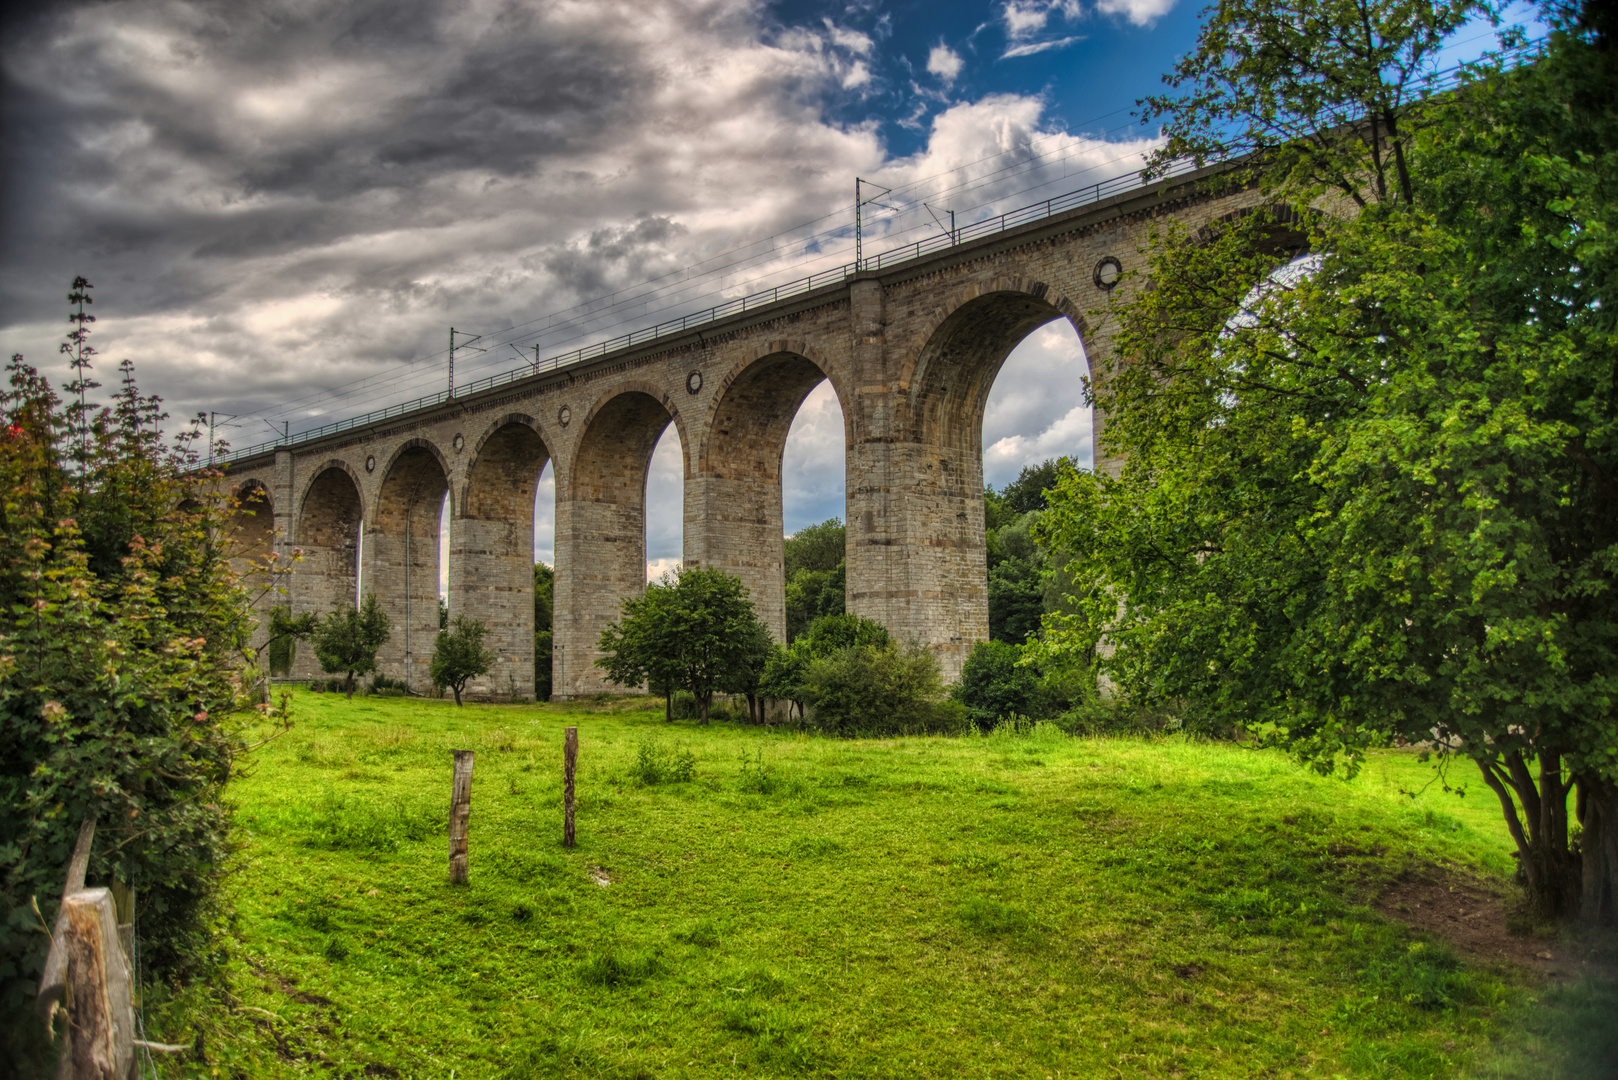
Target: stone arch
252	540
491	557
734	518
1285	234
623	389
916	558
601	524
951	368
327	530
402	556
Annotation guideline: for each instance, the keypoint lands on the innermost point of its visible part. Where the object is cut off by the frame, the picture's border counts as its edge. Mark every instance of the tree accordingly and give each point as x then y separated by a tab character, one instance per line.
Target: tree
787	668
815	547
642	648
347	640
285	630
1017	579
544	590
749	662
459	655
124	674
695	630
814	574
1368	497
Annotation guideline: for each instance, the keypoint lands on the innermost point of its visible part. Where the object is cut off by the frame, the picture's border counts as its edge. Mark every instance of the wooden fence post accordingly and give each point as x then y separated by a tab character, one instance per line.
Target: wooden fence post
460	814
101	1008
570	764
53	981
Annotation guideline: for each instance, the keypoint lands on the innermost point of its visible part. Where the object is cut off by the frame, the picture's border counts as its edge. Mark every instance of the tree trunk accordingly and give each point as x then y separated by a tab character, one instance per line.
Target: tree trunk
1598	849
706	699
1549	867
457	691
668	705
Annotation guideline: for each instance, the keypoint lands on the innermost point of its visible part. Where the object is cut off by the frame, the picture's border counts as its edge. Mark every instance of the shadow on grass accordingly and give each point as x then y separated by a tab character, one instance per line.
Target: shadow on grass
1568	1033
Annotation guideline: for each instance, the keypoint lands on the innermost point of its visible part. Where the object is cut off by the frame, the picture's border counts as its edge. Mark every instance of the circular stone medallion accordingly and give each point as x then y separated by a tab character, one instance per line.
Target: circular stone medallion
693	382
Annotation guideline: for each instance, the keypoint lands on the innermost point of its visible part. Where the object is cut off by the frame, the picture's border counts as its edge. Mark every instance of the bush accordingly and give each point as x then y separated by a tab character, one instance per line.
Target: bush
657	764
993	685
124	657
881	689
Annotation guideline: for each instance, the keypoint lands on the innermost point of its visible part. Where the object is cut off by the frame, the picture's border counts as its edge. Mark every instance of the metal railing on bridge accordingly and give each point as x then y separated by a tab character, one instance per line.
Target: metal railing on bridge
977	230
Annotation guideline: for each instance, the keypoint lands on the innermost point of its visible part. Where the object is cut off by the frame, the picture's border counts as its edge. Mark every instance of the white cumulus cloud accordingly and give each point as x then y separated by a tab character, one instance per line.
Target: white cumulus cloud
944	62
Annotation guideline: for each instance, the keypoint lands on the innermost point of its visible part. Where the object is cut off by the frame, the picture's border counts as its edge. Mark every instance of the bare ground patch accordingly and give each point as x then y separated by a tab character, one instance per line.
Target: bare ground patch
1469	914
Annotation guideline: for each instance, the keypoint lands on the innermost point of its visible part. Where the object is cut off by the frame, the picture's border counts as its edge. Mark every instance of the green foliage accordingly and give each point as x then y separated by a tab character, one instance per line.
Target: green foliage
347	640
459	655
815	572
1027	493
1369	498
544	592
285	630
880	689
993	686
695	629
1021	574
659	764
124	655
815	548
786	669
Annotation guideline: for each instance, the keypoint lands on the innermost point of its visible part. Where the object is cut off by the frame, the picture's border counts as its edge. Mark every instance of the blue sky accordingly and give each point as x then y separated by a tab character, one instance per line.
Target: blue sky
284	204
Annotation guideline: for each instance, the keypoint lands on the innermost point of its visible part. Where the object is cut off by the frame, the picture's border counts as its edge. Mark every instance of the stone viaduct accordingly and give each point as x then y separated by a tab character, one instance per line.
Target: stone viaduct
911	351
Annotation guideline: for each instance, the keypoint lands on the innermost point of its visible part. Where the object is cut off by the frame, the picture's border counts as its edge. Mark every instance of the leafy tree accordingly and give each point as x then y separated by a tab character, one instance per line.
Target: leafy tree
750	660
1026	494
694	630
783	675
1017	580
459	655
1369	496
124	664
347	640
544	591
815	583
641	648
285	630
815	547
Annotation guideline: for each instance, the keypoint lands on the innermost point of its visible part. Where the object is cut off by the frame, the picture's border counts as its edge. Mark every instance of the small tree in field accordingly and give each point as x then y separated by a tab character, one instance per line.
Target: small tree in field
640	648
694	629
459	655
347	640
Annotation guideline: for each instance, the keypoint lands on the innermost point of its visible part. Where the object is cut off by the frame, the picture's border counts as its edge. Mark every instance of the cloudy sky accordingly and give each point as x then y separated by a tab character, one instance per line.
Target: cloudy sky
285	204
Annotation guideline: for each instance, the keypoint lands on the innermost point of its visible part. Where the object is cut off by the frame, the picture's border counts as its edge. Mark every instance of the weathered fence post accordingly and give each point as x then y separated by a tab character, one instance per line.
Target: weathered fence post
460	815
101	1007
570	764
53	981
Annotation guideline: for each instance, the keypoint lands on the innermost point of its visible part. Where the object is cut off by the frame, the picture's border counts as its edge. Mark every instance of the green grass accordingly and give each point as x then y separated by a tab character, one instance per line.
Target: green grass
747	903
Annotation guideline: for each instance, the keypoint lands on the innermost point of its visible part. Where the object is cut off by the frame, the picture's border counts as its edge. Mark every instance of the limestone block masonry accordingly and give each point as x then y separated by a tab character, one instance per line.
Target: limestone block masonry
911	353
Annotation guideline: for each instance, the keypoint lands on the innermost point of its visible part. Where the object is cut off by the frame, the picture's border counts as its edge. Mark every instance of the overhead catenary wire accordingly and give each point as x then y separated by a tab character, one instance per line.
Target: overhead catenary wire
593	317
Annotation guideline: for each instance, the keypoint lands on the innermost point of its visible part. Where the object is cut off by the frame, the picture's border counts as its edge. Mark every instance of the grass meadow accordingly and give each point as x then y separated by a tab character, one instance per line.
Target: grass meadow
749	903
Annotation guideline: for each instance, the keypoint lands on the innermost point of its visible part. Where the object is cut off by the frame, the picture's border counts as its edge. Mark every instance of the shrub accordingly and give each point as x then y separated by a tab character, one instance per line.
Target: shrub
993	685
657	764
877	690
124	657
